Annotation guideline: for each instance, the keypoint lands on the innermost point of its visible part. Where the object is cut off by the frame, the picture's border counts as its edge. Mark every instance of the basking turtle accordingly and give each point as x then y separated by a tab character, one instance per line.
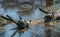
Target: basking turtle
22	25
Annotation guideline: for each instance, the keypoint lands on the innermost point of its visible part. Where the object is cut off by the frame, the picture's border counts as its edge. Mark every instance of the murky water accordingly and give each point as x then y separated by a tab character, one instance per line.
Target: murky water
36	31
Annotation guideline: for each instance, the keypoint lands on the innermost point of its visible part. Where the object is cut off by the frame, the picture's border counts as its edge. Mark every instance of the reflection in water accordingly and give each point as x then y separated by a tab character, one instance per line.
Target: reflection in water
24	13
10	3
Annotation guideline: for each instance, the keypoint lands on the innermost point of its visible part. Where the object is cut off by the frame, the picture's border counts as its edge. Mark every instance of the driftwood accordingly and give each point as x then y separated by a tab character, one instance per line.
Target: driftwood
32	22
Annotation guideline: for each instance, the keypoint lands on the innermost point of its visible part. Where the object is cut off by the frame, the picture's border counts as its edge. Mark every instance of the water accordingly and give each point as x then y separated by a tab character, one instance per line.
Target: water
36	30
